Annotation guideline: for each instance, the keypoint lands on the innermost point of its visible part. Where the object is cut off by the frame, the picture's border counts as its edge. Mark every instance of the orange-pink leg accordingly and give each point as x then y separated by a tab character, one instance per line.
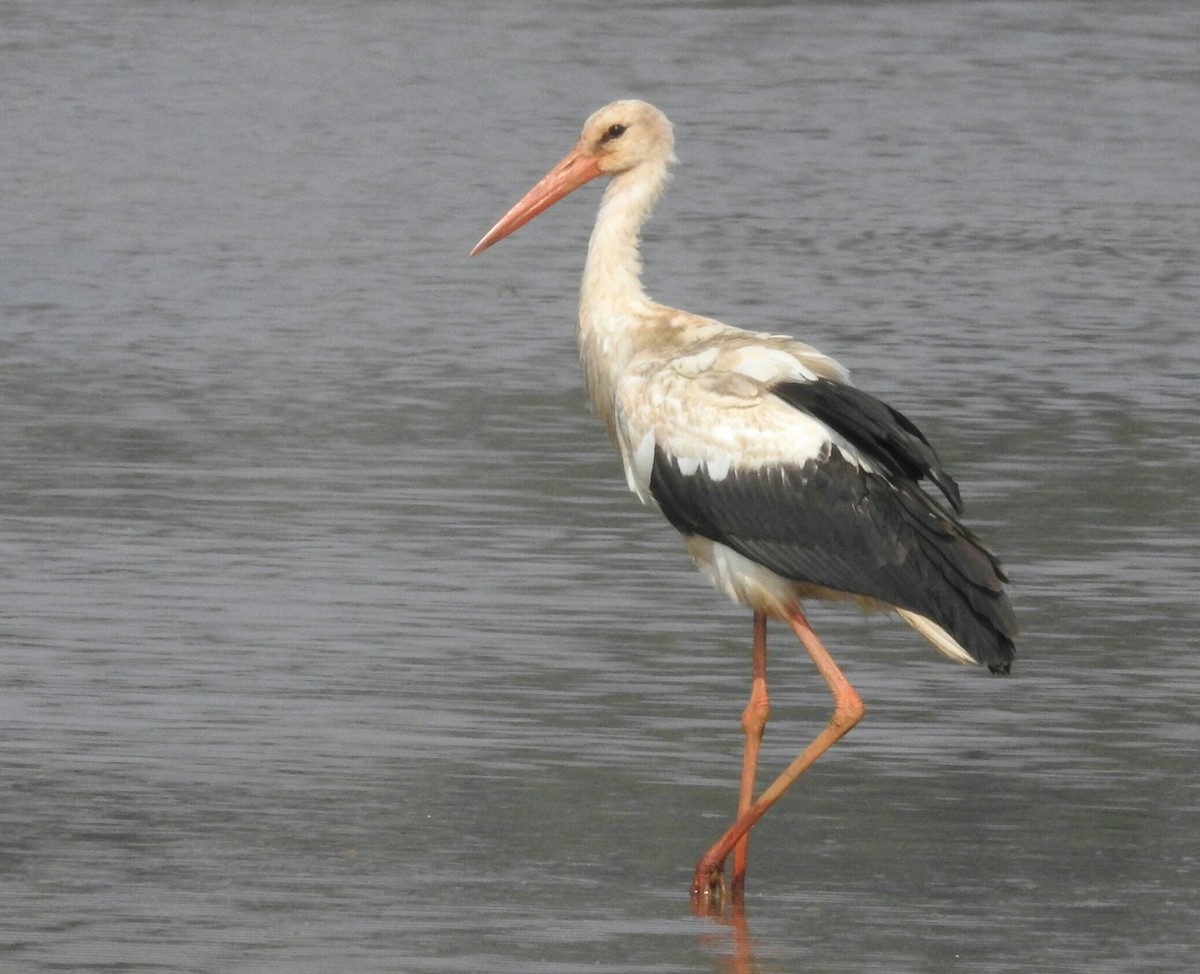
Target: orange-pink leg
707	881
754	721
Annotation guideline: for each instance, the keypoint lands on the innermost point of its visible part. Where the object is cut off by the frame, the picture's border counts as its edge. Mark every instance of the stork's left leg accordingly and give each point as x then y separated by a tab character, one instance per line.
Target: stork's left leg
754	722
847	711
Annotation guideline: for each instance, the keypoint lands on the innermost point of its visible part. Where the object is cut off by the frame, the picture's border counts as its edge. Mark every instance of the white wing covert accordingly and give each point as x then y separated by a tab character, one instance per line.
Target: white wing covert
712	409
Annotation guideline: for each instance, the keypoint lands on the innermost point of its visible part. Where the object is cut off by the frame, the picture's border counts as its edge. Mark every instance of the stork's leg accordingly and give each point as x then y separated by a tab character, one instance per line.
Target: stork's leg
754	721
847	711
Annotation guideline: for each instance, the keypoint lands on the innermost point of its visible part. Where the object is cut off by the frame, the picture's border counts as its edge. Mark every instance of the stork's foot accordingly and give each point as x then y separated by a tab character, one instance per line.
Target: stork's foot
709	889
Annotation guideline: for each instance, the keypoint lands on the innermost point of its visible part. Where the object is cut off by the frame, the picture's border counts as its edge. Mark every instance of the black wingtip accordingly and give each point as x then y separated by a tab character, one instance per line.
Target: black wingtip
947	485
882	433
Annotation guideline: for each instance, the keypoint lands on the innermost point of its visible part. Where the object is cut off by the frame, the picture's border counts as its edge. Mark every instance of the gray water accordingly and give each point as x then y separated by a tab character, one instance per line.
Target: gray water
330	637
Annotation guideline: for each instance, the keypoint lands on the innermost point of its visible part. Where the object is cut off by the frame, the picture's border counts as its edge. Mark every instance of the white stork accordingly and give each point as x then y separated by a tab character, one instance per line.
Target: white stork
785	480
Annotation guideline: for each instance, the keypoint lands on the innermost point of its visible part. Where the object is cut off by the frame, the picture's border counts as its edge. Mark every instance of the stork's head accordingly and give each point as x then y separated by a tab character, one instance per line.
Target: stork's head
624	134
618	138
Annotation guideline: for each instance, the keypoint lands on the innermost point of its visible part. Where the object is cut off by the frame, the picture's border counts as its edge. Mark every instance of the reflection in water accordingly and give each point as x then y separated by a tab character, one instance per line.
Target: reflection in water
733	945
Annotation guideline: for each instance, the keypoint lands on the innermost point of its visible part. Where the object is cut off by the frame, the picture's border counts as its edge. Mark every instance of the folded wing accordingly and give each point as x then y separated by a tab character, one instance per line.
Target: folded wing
820	483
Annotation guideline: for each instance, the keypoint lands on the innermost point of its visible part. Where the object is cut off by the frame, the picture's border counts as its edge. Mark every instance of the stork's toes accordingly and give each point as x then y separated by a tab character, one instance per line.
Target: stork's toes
709	890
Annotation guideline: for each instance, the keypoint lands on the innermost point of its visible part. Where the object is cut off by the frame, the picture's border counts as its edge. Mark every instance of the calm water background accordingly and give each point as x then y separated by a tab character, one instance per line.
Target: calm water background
331	639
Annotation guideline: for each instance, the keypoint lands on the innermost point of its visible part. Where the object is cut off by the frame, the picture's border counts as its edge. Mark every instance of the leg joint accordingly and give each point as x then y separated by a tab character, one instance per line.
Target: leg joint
848	710
754	717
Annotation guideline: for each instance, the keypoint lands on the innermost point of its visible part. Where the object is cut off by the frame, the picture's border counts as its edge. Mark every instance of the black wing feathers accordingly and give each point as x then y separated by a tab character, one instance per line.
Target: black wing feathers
834	524
885	435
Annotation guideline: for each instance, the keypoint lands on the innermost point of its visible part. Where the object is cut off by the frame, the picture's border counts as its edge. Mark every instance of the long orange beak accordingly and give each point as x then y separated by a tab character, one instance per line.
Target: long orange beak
571	172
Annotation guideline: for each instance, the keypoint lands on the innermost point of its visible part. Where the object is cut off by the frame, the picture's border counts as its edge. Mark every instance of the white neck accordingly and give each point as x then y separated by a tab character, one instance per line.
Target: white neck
612	303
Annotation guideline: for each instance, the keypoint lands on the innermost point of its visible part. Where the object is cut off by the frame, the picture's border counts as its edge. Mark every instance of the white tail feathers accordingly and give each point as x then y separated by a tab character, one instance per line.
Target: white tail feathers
941	640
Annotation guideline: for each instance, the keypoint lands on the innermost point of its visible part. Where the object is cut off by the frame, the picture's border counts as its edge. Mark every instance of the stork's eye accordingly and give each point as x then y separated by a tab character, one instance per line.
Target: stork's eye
614	131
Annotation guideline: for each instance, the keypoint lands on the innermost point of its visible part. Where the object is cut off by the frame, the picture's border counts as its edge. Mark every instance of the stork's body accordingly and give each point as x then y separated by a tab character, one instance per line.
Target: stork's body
786	481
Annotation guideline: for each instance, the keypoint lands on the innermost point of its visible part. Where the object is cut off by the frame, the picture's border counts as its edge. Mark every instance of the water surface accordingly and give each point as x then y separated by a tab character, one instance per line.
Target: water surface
331	636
